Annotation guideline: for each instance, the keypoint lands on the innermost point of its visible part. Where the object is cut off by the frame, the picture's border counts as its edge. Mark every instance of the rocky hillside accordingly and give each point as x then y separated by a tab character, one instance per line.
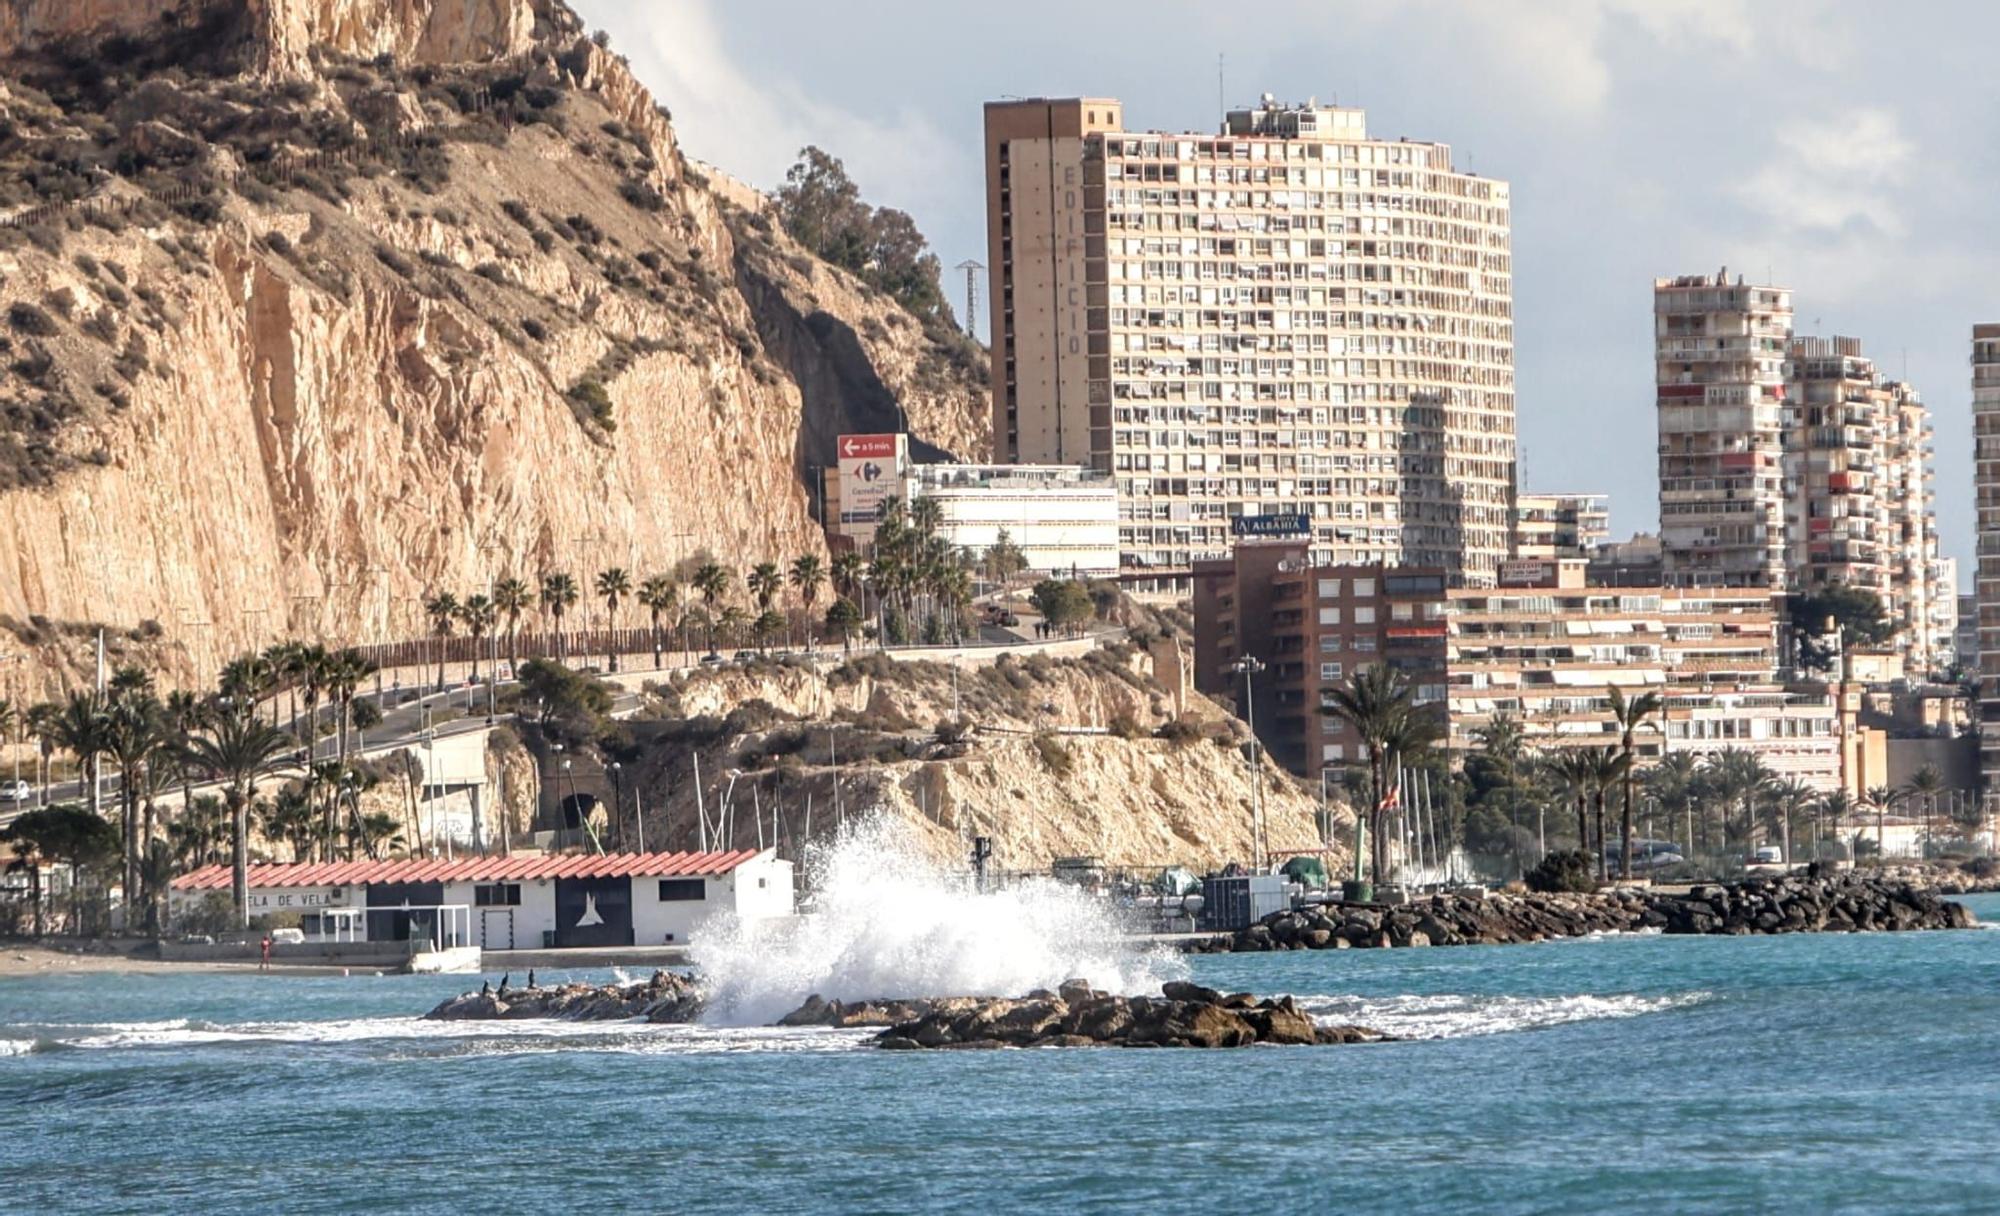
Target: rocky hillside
312	306
1050	757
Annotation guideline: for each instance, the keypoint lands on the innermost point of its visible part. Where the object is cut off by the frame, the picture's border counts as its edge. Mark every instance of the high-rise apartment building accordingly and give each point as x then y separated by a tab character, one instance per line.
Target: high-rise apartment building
1720	351
1560	525
1986	493
1284	318
1857	463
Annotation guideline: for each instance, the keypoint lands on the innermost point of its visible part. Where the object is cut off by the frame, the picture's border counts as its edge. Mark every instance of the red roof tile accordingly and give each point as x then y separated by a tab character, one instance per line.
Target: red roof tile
471	869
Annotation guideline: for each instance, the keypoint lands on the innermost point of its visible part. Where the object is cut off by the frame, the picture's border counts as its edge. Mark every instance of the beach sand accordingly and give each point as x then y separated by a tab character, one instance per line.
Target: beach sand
44	958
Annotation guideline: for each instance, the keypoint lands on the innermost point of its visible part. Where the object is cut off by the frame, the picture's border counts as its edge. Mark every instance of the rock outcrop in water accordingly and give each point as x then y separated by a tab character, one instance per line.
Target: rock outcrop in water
1793	904
1183	1015
667	997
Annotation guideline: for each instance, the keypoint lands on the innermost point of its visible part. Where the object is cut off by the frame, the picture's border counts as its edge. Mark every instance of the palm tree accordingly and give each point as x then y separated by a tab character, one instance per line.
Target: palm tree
478	614
657	595
442	609
41	719
765	581
845	573
712	580
1884	799
842	616
246	680
1381	707
1631	716
1924	786
132	735
511	597
613	586
1670	783
310	667
1788	798
732	619
808	576
345	672
1575	768
237	749
558	597
1835	806
1736	777
181	714
926	516
82	728
1608	767
769	624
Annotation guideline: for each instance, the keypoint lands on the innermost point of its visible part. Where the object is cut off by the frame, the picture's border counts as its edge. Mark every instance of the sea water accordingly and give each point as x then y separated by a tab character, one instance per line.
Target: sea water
1813	1073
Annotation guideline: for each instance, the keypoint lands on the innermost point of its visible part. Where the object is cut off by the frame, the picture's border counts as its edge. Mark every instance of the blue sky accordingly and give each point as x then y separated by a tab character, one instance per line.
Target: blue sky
1848	150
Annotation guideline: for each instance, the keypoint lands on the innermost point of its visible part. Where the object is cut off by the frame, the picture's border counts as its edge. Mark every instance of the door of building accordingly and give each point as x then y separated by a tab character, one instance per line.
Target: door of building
496	928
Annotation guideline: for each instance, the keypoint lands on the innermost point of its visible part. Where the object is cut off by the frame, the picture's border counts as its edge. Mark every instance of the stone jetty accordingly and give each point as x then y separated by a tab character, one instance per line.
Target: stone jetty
1799	903
667	997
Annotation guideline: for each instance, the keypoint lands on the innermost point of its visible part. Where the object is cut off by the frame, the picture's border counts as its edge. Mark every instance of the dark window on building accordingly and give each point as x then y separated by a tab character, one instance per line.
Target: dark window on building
673	889
497	895
1413	584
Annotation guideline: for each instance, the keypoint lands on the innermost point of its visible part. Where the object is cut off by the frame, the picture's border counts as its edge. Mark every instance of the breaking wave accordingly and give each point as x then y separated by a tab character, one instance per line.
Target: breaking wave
890	922
1450	1015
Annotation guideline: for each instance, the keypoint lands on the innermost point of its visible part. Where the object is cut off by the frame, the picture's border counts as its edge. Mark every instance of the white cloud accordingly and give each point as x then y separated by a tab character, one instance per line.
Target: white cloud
1835	174
753	125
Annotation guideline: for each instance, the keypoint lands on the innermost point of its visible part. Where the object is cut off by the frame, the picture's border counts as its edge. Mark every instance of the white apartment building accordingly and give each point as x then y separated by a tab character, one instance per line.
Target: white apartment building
1285	317
1063	519
1720	351
1560	525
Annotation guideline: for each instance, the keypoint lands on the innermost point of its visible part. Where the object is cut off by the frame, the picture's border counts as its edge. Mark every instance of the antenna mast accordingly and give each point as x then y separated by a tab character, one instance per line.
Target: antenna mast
971	269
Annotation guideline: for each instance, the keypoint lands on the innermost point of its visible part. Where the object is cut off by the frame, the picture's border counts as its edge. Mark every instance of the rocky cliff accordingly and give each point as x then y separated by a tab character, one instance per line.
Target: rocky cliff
312	307
1051	758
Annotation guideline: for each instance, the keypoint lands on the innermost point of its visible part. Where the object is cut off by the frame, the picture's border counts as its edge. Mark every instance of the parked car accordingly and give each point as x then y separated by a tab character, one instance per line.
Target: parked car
746	656
1769	855
712	660
16	791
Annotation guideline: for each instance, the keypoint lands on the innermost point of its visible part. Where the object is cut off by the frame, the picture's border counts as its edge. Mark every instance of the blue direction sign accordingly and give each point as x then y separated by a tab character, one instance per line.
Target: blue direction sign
1270	525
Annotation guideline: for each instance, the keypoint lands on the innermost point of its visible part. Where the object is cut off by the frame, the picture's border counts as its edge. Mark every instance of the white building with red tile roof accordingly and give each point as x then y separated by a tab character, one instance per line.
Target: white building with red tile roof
516	902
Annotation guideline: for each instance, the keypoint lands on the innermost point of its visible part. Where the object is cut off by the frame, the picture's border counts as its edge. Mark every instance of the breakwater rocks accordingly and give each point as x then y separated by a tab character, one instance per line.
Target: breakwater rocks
1183	1015
667	997
1792	904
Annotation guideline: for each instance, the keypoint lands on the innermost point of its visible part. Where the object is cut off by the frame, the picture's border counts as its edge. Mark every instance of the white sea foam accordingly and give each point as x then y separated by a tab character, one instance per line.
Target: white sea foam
891	923
1453	1015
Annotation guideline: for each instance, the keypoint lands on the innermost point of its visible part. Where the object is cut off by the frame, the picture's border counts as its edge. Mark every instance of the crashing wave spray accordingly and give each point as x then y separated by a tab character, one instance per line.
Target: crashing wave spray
890	923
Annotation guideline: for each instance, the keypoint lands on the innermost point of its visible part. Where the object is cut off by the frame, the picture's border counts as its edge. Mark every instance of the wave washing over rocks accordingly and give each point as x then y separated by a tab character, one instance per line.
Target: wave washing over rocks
1809	903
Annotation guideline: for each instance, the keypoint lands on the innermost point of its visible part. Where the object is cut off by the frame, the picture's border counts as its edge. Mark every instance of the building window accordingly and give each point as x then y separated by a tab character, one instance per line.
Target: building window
1329	671
1364	641
1332	753
676	890
1364	614
1329	588
497	895
1403	612
1329	616
1364	588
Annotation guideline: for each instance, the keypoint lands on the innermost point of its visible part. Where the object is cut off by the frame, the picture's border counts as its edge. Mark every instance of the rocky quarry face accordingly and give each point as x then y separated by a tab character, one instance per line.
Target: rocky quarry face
313	307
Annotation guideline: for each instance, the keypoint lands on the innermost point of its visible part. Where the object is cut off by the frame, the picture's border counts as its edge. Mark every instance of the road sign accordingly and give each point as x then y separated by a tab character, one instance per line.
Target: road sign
871	472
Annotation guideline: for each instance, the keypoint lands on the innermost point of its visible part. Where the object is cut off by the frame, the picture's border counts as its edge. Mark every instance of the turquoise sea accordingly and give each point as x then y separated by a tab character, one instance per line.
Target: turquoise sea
1813	1074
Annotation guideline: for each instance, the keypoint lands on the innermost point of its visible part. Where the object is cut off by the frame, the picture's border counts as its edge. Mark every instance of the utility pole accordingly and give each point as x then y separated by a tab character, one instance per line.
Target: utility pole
971	269
1247	667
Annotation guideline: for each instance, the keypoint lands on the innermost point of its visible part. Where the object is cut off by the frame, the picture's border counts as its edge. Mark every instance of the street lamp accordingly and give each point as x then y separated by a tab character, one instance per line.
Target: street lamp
617	800
1247	667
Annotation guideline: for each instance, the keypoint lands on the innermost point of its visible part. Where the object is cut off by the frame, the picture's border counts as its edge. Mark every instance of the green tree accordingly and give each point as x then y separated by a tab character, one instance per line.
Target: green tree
614	587
1064	603
658	595
1837	613
1575	768
1004	558
442	609
559	595
82	727
512	597
1922	790
808	576
238	750
769	624
477	614
1631	717
764	583
711	580
1379	704
133	735
67	834
571	707
843	617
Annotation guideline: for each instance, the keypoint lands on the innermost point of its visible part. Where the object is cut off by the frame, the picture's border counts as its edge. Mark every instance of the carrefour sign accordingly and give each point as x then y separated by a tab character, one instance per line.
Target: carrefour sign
1270	525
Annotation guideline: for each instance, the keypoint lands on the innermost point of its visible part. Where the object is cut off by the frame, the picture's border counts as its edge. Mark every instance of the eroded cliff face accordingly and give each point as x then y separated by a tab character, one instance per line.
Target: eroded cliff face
260	389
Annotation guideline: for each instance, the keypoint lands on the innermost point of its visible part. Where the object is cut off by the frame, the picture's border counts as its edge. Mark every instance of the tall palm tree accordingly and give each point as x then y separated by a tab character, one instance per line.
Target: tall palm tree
345	672
41	720
1608	767
1788	798
1836	806
764	582
658	595
82	727
711	579
238	750
11	721
477	614
1381	707
808	576
1923	788
246	680
1736	778
1884	799
132	735
613	587
845	573
442	609
1631	716
559	595
512	597
732	618
1670	783
182	713
311	666
1574	768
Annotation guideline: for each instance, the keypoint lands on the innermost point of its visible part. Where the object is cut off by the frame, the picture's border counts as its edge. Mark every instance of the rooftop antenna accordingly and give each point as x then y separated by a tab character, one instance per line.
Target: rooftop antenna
971	269
1221	105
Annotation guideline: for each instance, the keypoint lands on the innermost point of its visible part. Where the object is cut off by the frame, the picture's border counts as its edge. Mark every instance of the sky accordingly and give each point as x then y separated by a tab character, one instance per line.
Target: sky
1847	149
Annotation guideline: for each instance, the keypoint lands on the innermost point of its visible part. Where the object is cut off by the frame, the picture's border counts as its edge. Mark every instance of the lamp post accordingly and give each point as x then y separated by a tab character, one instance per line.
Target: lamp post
1248	666
617	800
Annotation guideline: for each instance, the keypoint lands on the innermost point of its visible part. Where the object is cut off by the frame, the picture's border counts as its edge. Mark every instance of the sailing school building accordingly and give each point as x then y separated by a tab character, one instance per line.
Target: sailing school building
511	903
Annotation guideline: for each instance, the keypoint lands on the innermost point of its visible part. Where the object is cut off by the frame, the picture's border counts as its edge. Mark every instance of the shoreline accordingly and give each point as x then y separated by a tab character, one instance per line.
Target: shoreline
20	959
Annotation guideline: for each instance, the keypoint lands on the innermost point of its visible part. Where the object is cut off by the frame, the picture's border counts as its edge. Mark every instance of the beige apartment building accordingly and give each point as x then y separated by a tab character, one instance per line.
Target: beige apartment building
1560	525
1862	507
1720	350
1986	490
1287	317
